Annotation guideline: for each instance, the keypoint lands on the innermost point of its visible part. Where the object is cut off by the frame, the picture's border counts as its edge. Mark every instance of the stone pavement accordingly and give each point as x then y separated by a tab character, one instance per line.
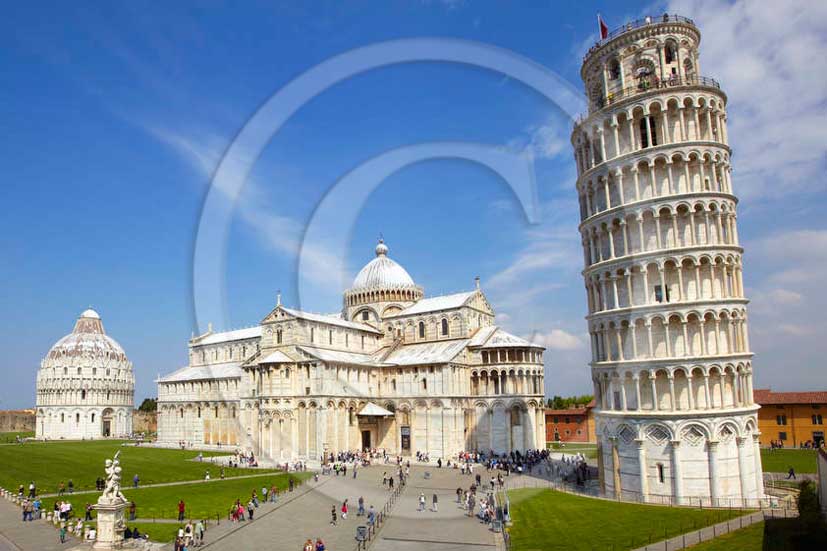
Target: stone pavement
16	535
308	516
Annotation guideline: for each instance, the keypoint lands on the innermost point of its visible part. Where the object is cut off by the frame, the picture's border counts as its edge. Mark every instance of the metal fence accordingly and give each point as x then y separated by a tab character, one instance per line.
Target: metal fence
366	534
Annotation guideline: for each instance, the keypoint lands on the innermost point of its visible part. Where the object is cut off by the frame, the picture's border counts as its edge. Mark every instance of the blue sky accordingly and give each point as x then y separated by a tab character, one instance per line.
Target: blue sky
114	118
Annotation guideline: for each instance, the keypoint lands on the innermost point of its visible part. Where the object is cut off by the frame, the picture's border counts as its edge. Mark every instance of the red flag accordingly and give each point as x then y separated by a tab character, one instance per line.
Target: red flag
604	29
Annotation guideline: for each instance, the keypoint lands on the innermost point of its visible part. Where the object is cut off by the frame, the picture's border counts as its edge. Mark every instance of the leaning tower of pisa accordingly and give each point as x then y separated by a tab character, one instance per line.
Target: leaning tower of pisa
671	364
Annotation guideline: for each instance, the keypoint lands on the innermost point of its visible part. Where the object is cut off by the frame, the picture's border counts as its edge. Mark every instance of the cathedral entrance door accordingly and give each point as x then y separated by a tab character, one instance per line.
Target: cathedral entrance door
405	432
366	440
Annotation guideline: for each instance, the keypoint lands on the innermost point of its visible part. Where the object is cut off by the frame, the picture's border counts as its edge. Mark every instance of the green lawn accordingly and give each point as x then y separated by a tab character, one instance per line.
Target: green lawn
11	437
49	463
549	520
777	535
589	450
780	461
160	532
202	499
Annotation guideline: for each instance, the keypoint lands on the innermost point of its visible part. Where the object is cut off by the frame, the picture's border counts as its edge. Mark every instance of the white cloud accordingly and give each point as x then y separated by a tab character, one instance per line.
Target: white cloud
203	151
557	339
545	140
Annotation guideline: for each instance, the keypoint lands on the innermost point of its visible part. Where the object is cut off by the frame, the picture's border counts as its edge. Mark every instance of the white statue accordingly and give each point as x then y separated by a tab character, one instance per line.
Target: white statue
112	491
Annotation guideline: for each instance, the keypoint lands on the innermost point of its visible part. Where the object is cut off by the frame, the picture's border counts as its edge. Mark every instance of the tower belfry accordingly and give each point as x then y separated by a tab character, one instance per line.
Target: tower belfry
671	362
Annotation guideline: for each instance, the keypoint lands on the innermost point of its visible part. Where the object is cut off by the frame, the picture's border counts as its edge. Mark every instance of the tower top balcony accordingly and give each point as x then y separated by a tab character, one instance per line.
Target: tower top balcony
649	21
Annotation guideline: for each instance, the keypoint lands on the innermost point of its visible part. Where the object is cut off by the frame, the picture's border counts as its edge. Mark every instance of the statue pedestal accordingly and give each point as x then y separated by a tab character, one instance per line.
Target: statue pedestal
111	523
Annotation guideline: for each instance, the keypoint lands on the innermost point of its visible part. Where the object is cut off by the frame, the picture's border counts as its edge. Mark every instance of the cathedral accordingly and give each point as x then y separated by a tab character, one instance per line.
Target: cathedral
394	371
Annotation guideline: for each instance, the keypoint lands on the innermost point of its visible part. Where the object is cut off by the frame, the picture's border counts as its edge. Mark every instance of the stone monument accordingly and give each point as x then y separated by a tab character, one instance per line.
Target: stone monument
111	507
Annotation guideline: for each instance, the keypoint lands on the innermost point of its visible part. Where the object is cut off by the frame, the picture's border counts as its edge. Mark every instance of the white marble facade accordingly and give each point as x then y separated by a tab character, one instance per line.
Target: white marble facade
394	370
85	385
671	363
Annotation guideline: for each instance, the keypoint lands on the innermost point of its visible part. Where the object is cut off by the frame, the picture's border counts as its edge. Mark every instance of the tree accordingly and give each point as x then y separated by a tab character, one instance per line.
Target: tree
149	404
558	402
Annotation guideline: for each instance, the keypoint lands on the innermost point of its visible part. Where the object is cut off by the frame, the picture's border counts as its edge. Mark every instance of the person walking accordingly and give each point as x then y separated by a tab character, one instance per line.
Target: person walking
371	515
199	533
333	515
135	480
421	502
361	511
344	510
791	474
71	486
62	533
435	503
250	509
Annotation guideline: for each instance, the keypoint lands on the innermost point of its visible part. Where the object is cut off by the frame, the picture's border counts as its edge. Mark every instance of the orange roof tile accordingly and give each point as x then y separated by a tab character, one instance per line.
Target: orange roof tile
766	397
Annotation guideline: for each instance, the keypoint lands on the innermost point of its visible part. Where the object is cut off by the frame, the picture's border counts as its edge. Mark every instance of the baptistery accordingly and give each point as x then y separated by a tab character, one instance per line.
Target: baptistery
85	385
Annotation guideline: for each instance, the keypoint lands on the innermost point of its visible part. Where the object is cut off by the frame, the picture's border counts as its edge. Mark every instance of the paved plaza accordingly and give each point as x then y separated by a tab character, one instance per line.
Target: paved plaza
306	514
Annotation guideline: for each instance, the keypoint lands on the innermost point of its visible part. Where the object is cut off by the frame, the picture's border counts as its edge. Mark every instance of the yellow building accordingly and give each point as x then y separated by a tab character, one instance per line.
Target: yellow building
794	418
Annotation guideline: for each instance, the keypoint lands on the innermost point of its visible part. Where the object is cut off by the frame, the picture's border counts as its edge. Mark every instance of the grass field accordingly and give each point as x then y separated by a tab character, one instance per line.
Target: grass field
49	463
202	499
11	437
160	532
589	450
550	520
780	461
776	535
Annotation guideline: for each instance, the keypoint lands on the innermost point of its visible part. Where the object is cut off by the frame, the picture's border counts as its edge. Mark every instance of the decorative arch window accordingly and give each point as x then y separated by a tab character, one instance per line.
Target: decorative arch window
421	329
94	371
644	136
614	69
330	336
62	418
77	418
393	384
424	383
312	334
79	371
82	394
278	336
181	413
444	327
199	412
661	477
65	370
93	417
216	412
671	52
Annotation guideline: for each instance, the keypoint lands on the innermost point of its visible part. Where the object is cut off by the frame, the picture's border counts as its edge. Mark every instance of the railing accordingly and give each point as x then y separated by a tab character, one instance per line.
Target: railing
366	534
636	24
644	86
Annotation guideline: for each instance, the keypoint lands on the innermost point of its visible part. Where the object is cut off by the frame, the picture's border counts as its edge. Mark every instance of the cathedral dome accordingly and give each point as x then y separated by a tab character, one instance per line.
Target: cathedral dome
382	273
87	340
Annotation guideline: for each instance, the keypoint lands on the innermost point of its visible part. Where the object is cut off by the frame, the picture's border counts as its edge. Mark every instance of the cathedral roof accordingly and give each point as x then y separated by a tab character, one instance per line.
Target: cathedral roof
229	336
330	319
87	340
494	337
231	370
436	304
427	352
382	273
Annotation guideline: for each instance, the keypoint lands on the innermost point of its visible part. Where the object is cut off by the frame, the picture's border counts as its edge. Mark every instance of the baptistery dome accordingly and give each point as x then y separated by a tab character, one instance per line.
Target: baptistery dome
85	386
